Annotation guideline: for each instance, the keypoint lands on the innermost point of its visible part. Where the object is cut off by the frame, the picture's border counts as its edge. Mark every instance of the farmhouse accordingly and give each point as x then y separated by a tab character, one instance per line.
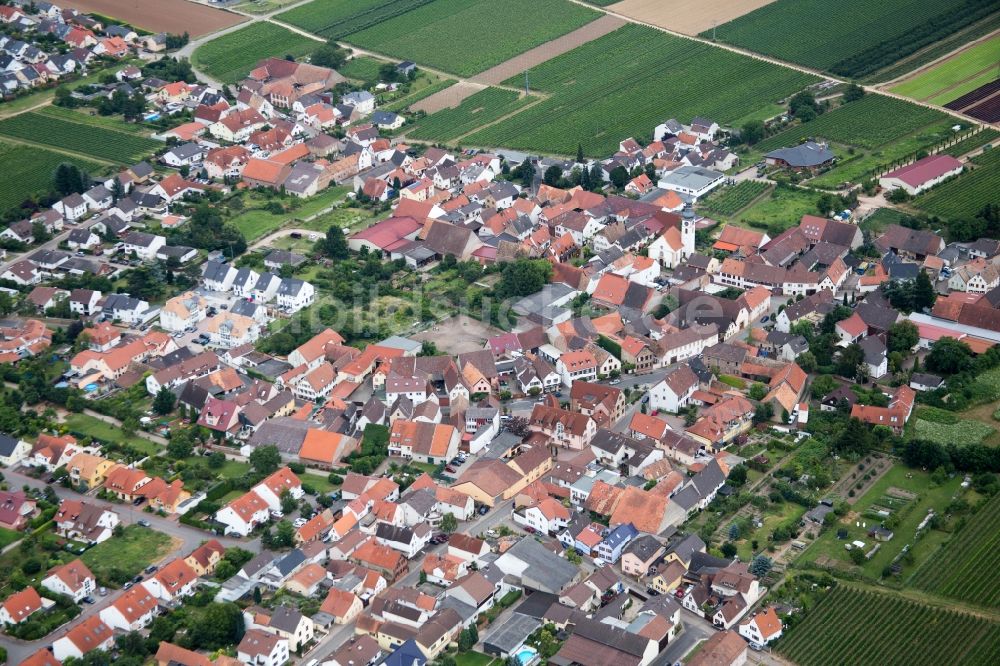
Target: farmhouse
808	156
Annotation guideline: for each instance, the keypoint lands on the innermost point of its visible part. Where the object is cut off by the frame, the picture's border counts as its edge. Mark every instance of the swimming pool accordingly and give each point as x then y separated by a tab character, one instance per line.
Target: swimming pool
526	655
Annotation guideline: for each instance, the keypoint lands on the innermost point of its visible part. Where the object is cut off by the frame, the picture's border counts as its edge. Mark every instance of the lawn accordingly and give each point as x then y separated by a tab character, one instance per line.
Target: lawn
89	426
954	77
473	659
783	208
829	551
867	628
462	36
28	171
319	482
361	68
231	469
256	222
120	558
880	219
230	57
354	218
966	194
77	133
8	537
774	516
857	37
649	76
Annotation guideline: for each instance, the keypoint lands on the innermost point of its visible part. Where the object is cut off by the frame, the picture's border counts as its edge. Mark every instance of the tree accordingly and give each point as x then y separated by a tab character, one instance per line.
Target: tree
216	459
518	425
737	475
619	177
903	336
526	170
850	361
284	535
763	413
329	55
752	132
728	550
335	243
181	444
949	356
256	595
734	532
448	523
760	565
853	93
596	176
428	348
465	640
132	643
164	401
523	277
580	159
803	106
856	438
68	179
924	294
757	391
553	175
807	361
215	626
265	459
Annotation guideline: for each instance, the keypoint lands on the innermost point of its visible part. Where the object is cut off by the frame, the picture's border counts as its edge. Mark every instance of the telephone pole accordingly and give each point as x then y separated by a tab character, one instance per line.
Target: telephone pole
526	91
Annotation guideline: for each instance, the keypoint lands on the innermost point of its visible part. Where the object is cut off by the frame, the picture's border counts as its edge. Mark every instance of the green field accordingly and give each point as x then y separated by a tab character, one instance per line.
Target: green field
850	38
956	76
965	195
8	537
76	132
120	558
863	628
469	36
417	95
986	136
962	432
335	19
654	77
731	200
956	570
475	111
829	552
28	171
880	219
870	122
230	57
781	209
361	68
257	222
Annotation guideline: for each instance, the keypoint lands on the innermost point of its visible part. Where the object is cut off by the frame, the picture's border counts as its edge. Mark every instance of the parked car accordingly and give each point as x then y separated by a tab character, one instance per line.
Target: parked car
530	530
137	579
142	522
88	599
127	586
449	468
103	591
151	568
483	510
277	514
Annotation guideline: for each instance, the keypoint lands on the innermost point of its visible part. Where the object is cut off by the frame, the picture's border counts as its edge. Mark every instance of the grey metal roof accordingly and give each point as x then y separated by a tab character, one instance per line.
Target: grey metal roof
808	154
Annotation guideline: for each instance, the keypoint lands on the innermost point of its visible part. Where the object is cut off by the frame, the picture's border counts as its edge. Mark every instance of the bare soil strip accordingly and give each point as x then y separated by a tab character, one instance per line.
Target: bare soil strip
173	16
687	16
500	73
448	98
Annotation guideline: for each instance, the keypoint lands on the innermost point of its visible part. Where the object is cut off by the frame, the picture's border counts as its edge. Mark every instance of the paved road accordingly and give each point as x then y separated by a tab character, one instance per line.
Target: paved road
696	629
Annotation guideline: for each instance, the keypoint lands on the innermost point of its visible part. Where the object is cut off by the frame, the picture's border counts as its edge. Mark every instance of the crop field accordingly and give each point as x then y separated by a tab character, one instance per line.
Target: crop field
831	36
335	19
475	111
965	195
465	37
861	123
174	16
863	628
956	76
730	200
655	76
230	57
93	139
961	432
28	170
414	97
955	570
975	141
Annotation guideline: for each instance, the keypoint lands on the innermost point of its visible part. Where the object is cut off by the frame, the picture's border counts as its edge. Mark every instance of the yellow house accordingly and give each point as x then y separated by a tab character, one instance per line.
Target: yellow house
668	576
89	469
205	557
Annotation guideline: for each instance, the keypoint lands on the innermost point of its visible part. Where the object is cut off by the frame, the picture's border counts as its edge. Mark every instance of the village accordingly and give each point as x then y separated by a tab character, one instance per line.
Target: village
518	409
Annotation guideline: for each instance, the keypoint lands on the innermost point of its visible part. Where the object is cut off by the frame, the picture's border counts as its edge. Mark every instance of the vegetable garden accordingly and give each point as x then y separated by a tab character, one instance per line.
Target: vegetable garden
965	567
966	194
862	628
961	432
730	200
28	171
93	139
649	76
474	111
230	57
830	35
470	36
